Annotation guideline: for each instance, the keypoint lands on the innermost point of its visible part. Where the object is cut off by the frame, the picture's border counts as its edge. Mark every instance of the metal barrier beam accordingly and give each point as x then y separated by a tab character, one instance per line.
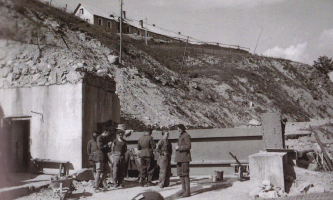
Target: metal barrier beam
211	147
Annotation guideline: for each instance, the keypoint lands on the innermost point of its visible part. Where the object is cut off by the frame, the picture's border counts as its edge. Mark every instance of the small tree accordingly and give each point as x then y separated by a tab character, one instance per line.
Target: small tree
323	64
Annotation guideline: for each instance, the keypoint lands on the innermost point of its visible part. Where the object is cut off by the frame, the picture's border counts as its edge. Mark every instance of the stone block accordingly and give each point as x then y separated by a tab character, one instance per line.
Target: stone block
52	78
25	70
5	72
268	166
42	81
35	78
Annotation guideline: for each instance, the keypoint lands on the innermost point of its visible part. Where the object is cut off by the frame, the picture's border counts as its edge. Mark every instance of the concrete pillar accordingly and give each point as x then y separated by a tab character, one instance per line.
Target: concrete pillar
268	166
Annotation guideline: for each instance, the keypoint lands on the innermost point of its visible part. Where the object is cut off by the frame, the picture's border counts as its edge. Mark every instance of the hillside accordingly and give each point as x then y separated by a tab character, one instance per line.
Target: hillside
216	87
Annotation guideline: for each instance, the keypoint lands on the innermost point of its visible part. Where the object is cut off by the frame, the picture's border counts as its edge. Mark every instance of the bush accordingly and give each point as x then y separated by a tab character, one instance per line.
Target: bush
324	64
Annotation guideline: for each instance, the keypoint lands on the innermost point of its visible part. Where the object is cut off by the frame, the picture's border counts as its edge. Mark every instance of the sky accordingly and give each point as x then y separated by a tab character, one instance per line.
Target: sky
299	30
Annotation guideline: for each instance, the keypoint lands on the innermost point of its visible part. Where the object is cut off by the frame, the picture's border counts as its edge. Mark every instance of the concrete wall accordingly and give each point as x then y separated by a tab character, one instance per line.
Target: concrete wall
56	132
100	104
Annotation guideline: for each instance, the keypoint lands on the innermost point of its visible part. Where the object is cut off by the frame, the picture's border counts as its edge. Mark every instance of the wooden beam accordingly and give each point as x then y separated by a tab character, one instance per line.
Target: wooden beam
322	147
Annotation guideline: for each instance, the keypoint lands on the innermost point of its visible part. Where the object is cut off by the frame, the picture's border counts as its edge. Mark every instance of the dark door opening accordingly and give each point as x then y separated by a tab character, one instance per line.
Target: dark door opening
19	144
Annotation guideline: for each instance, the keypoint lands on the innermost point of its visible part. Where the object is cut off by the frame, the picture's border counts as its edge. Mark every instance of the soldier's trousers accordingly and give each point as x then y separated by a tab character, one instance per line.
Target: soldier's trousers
102	168
119	168
147	168
165	170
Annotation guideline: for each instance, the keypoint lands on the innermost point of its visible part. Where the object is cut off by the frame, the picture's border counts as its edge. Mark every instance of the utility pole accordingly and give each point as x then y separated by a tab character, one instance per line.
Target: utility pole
181	69
257	41
121	29
146	31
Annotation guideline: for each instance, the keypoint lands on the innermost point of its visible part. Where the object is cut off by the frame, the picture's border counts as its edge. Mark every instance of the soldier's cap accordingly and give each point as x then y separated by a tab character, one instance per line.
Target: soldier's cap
149	130
182	127
121	127
119	131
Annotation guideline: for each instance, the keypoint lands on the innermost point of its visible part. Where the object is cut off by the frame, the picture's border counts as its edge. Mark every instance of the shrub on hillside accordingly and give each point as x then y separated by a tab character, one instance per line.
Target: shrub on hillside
323	64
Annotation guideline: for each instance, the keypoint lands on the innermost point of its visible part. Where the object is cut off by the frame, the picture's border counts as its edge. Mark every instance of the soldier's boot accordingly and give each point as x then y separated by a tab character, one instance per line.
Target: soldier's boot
187	193
180	193
141	182
97	180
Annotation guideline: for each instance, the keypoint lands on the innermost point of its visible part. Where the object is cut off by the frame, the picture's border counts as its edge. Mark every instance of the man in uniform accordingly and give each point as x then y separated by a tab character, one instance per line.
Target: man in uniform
101	160
119	149
183	158
165	149
147	145
91	149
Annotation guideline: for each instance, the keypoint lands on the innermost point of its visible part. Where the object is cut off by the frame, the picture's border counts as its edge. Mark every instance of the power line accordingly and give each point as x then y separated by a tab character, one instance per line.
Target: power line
199	41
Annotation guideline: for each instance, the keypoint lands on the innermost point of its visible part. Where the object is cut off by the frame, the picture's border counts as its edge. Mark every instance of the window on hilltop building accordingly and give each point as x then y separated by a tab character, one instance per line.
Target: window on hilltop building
109	24
81	11
100	21
138	33
128	29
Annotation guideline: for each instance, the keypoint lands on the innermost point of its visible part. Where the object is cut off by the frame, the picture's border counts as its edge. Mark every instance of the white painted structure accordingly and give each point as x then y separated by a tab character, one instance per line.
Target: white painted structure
56	121
85	14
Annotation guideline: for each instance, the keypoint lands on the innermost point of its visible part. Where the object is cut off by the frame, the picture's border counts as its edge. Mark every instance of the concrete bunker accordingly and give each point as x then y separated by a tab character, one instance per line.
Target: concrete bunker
55	121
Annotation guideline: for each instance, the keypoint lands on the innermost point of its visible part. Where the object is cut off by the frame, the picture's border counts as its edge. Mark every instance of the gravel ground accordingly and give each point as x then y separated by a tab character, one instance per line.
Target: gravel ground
201	188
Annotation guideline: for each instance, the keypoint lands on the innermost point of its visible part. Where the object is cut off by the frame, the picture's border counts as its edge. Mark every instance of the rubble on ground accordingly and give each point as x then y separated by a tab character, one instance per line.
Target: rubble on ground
267	190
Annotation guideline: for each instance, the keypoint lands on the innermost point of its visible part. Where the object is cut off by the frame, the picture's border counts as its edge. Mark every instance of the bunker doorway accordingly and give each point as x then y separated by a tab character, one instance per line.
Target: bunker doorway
18	143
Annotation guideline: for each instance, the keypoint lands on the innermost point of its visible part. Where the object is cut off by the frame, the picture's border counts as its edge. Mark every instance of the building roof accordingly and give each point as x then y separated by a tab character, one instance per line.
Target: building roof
98	12
135	23
155	29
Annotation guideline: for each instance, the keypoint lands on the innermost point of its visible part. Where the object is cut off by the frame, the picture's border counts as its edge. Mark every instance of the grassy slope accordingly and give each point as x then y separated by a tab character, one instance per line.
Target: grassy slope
152	90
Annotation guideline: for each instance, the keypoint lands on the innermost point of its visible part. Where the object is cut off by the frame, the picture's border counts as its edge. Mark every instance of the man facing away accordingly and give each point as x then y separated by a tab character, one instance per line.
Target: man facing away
183	158
165	149
91	149
101	161
147	145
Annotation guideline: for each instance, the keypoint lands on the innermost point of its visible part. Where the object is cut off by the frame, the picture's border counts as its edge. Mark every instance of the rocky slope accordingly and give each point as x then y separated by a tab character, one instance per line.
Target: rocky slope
217	87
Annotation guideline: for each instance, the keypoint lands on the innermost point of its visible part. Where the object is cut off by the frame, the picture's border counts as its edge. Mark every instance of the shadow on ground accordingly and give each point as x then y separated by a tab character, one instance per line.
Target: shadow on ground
19	178
79	195
205	185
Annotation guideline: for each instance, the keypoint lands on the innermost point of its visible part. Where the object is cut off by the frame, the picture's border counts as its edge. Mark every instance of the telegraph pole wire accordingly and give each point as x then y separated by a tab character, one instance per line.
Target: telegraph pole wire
257	41
181	69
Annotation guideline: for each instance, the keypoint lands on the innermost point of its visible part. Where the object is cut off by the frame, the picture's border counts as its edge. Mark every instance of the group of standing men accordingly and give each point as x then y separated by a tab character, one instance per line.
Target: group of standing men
108	157
101	151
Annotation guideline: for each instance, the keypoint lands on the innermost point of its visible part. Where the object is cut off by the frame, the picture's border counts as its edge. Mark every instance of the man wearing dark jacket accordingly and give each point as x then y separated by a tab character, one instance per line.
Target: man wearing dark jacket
146	145
101	160
91	149
183	158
